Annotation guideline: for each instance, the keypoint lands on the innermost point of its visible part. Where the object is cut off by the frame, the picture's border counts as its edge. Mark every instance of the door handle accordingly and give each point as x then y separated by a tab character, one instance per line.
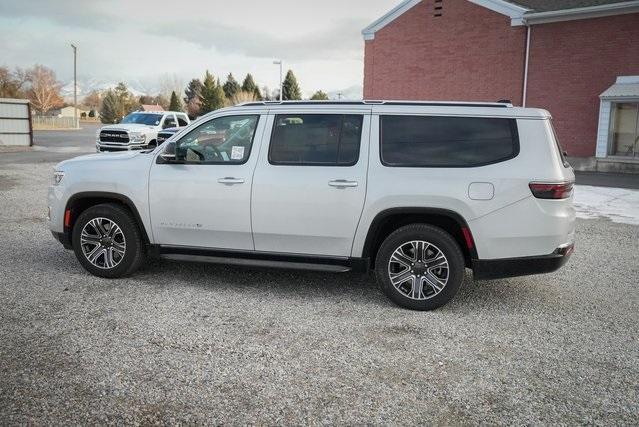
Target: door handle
342	183
229	180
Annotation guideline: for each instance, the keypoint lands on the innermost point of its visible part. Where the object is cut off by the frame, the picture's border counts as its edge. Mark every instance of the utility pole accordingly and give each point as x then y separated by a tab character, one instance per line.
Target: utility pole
75	87
279	62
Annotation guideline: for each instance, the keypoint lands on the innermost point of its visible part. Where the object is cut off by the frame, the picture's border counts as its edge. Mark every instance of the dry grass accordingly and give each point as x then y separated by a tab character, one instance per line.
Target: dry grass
241	97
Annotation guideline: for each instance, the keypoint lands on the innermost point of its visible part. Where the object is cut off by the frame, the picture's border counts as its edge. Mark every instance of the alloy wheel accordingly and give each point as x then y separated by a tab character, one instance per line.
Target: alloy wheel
103	243
418	269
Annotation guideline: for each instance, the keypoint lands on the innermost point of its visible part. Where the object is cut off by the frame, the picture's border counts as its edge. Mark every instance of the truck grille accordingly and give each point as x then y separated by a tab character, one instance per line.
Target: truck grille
114	136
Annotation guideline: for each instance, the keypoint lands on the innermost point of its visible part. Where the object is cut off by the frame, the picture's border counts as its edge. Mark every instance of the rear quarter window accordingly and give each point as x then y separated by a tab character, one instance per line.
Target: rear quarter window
435	141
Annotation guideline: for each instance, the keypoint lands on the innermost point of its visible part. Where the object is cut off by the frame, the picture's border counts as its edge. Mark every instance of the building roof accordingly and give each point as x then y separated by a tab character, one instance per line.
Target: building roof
548	5
624	87
13	101
525	12
151	107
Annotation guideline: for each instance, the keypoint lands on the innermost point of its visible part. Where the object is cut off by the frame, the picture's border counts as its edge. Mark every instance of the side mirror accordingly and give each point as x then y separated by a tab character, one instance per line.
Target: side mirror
169	153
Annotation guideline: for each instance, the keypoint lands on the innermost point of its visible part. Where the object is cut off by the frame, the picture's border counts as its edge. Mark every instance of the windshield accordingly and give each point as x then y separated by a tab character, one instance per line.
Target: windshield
143	119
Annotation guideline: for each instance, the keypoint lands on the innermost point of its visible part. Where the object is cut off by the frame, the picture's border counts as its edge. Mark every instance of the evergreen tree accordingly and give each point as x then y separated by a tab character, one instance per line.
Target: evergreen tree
249	86
193	91
319	96
231	87
112	109
219	97
290	89
127	102
208	88
213	96
193	99
175	104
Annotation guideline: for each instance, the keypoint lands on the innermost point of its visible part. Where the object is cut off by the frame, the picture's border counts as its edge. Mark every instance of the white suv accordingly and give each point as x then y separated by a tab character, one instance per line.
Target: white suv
416	191
138	130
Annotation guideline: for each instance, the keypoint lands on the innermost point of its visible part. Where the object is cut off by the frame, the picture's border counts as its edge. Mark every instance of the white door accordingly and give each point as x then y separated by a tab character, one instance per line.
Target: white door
204	199
310	183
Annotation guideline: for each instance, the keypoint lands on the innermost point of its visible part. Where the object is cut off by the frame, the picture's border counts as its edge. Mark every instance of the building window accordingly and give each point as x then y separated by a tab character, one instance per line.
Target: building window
624	132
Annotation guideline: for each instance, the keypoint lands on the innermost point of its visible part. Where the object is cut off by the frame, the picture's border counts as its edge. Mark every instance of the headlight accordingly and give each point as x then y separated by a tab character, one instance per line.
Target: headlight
137	137
57	177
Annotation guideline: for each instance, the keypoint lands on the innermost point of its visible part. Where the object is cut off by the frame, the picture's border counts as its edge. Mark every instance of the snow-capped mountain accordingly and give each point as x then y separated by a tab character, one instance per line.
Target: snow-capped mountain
86	86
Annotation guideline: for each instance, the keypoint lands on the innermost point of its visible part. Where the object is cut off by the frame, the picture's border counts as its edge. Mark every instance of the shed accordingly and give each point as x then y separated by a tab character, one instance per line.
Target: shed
15	122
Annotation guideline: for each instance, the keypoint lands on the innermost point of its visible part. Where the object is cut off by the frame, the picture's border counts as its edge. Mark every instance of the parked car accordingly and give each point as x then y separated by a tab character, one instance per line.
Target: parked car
138	130
165	134
415	191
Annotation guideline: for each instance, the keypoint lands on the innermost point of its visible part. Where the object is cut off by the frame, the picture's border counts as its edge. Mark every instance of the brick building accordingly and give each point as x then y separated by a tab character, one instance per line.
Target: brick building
579	59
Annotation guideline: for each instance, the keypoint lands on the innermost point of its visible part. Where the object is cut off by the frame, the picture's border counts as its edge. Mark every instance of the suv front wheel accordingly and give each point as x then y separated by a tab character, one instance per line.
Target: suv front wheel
107	241
420	267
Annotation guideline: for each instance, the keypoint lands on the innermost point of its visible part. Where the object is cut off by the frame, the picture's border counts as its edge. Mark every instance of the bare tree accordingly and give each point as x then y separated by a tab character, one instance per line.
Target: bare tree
242	97
93	100
12	82
171	83
44	91
267	95
193	107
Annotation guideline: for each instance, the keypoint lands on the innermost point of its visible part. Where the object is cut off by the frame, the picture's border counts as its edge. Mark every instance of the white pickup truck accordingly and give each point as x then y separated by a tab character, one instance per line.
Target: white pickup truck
138	130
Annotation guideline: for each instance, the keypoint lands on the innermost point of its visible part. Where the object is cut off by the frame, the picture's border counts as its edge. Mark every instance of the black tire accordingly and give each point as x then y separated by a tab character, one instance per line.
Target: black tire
430	297
152	144
134	248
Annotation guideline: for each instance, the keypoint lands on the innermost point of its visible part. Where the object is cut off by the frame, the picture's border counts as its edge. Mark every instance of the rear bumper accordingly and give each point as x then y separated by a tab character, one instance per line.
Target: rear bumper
524	266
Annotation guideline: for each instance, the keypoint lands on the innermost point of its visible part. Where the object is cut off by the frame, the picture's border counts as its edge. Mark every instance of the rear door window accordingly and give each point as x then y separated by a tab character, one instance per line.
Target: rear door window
316	139
434	141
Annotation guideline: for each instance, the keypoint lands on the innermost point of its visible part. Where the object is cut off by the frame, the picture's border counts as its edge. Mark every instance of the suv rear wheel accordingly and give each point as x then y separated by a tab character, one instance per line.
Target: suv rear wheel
107	241
420	267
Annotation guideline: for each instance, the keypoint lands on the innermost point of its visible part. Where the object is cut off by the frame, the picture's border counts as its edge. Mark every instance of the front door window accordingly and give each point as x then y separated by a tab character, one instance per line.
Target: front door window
625	130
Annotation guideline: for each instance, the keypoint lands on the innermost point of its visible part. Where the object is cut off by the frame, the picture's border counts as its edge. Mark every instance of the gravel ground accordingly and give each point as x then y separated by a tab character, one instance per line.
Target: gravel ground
190	343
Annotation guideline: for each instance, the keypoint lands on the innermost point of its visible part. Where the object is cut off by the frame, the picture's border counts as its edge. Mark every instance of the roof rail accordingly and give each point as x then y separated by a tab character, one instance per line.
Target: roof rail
500	104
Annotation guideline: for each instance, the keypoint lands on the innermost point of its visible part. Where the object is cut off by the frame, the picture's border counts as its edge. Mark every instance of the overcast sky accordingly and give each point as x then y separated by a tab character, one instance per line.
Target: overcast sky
140	40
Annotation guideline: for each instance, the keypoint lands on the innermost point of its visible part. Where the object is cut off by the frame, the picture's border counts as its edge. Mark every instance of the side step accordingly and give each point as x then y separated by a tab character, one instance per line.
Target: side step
263	259
258	263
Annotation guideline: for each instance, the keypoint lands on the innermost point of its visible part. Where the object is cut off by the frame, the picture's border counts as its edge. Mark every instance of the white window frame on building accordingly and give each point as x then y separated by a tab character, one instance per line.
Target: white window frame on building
618	135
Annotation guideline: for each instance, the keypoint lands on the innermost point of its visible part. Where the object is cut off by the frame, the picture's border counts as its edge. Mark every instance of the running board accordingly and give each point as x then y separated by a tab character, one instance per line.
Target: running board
262	259
258	263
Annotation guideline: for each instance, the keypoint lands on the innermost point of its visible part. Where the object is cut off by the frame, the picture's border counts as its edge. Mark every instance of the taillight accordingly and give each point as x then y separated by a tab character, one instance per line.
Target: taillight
67	218
544	190
468	237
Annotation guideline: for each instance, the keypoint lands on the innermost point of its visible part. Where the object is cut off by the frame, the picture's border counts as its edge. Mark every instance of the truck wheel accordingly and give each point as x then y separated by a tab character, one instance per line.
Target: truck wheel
420	267
107	241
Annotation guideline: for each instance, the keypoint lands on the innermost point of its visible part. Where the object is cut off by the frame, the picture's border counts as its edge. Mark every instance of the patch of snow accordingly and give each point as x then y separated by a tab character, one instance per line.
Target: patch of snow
617	204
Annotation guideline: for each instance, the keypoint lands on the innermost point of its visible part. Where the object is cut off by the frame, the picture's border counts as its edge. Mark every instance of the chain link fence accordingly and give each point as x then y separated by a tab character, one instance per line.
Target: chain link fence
43	123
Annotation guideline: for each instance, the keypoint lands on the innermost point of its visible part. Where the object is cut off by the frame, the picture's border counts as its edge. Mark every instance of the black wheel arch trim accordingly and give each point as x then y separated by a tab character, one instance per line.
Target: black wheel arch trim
377	222
121	198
